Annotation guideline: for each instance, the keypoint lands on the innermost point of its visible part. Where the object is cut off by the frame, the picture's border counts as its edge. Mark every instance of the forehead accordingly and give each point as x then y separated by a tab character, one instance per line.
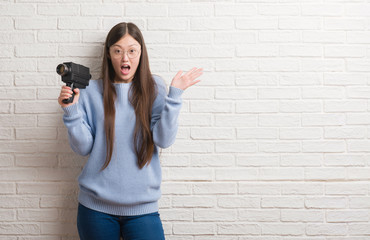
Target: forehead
127	41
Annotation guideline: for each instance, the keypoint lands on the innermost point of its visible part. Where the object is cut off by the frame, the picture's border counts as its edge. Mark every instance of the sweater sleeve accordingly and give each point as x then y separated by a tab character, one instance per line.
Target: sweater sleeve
166	109
80	134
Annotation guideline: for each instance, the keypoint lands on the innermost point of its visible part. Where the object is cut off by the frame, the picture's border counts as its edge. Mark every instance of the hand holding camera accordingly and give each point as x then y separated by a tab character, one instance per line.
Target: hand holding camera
75	76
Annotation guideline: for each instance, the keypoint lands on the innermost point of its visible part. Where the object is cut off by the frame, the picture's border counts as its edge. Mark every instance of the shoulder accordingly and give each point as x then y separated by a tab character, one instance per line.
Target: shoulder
94	87
160	83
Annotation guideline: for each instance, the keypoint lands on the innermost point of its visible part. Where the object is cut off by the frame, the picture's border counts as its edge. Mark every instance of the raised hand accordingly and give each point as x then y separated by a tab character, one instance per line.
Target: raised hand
188	79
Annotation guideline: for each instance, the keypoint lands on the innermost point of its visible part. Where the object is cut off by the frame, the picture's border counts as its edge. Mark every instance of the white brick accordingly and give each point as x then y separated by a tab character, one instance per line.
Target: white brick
358	37
345	106
257	23
85	23
176	215
359	229
279	93
15	10
259	215
232	120
36	160
52	10
322	9
324	37
168	52
236	174
40	107
239	37
36	133
16	202
193	228
301	23
358	65
36	50
285	120
8	215
190	37
239	202
257	106
280	36
235	146
186	10
300	133
208	160
212	23
215	215
260	188
343	23
256	79
281	174
235	93
7	188
279	9
17	37
6	23
166	25
257	50
328	119
358	10
214	188
176	188
325	174
239	229
194	201
236	65
345	160
302	189
359	146
326	202
302	216
346	79
7	160
347	216
283	229
35	23
300	51
257	133
358	118
301	160
211	106
19	228
149	10
345	132
300	106
21	65
359	202
358	173
322	65
188	174
344	51
212	133
102	10
281	65
282	202
326	229
323	146
42	215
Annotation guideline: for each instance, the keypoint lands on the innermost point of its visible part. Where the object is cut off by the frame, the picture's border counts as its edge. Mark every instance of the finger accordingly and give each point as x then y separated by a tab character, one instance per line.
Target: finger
196	72
196	75
190	71
194	82
178	74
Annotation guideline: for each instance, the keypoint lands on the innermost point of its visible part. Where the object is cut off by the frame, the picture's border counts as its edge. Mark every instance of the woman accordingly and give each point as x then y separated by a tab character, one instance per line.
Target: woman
120	121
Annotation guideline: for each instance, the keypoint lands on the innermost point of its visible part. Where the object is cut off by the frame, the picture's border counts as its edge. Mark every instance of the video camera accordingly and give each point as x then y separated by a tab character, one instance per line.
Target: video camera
75	76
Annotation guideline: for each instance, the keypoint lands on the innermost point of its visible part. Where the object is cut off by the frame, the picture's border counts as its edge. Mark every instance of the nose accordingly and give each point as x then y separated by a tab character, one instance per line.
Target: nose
125	56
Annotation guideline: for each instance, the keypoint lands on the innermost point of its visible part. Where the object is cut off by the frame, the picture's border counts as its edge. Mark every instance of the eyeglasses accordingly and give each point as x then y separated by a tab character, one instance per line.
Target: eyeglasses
119	53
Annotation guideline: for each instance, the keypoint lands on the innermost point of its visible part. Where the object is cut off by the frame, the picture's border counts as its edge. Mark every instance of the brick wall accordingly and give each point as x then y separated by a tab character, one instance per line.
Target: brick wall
273	143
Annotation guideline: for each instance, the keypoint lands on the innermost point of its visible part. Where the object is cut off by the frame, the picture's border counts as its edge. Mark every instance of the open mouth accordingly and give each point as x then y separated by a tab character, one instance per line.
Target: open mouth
125	69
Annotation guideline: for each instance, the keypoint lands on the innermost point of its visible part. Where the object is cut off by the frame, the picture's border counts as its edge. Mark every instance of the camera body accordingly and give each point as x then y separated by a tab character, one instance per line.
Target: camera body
74	75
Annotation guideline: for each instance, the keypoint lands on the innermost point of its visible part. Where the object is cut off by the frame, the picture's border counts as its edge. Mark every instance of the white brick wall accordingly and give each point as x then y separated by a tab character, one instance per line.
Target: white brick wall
274	143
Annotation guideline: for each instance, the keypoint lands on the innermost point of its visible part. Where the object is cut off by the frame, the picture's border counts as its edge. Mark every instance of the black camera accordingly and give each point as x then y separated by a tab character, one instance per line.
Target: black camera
75	76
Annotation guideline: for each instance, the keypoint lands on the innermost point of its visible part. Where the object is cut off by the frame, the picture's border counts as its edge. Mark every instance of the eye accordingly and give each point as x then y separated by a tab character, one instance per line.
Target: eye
132	50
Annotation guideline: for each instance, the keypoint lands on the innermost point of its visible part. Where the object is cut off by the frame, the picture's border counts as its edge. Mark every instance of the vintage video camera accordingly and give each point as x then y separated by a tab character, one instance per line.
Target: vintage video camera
74	75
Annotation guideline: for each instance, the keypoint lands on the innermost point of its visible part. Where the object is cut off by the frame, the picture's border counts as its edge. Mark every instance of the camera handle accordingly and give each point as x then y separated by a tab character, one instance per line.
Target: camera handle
70	100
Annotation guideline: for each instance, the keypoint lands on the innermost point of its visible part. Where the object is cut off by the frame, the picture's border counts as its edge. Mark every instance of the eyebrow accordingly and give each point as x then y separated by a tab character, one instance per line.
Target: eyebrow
129	45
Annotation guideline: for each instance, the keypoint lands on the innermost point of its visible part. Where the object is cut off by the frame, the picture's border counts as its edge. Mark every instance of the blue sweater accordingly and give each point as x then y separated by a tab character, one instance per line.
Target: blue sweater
122	188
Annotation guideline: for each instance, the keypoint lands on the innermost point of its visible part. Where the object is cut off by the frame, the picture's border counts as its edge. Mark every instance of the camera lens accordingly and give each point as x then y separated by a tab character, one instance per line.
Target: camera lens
62	69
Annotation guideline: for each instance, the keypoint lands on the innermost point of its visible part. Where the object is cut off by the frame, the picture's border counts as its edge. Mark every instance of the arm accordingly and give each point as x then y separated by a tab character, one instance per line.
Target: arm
166	108
80	134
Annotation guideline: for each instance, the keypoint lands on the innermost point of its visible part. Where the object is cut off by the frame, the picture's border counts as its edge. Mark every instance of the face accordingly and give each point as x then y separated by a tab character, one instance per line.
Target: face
125	57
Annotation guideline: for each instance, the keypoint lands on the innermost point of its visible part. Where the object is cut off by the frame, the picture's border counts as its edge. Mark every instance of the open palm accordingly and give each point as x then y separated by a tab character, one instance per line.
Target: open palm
188	79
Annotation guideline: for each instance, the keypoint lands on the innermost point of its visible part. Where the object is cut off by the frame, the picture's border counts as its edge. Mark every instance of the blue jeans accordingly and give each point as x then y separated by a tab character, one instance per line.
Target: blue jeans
93	225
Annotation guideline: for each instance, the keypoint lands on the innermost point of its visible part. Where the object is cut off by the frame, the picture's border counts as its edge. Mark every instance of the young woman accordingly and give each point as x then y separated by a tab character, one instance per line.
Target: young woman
120	121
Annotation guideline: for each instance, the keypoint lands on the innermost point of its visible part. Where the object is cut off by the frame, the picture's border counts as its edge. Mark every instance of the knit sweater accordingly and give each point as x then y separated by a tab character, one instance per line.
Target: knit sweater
122	188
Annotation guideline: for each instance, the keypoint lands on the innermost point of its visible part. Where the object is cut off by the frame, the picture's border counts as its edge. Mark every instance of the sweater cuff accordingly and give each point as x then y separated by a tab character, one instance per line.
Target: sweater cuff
175	93
70	110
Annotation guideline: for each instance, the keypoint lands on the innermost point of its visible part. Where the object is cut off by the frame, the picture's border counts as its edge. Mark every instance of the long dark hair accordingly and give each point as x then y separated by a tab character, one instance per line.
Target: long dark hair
142	95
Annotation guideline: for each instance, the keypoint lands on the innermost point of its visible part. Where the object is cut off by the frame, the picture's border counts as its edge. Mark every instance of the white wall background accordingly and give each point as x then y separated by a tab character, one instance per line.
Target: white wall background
273	144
